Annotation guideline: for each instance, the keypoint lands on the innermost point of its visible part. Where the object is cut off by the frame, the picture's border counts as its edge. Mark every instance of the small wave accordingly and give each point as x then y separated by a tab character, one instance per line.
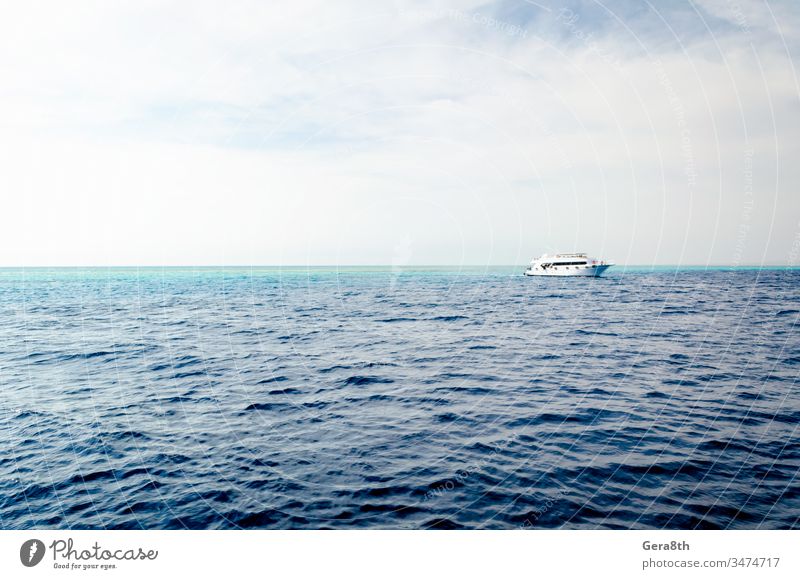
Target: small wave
720	512
97	354
170	458
335	367
749	395
40	358
676	311
319	404
447	417
782	313
267	518
722	445
595	333
192	374
126	435
376	364
23	414
133	472
273	380
267	406
92	476
465	376
185	361
471	390
366	380
396	510
442	524
717	377
284	391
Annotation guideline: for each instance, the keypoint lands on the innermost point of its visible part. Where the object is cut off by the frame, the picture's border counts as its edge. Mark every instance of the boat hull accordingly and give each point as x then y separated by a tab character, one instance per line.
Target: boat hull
595	271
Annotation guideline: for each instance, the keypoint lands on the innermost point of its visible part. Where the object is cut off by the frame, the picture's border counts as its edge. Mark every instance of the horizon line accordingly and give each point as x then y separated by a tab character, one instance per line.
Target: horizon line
382	265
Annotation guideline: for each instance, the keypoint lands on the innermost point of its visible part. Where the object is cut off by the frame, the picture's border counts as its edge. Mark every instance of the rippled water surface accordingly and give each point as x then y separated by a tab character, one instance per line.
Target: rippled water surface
384	399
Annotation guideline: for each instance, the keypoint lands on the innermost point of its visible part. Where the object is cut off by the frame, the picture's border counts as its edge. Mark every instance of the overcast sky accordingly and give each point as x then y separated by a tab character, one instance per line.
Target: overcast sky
318	132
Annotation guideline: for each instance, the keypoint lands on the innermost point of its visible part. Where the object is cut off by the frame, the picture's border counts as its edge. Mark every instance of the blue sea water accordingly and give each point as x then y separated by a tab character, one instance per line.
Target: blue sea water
386	398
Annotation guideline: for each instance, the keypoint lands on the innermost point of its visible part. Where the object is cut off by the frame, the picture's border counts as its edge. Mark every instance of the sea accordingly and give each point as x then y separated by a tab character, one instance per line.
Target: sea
399	398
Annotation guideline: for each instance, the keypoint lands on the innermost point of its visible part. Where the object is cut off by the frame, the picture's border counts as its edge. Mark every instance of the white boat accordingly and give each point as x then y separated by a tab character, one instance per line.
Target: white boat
567	264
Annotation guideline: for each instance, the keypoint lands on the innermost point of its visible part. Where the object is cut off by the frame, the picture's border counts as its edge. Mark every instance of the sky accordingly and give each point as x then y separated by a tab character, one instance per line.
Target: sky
399	133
